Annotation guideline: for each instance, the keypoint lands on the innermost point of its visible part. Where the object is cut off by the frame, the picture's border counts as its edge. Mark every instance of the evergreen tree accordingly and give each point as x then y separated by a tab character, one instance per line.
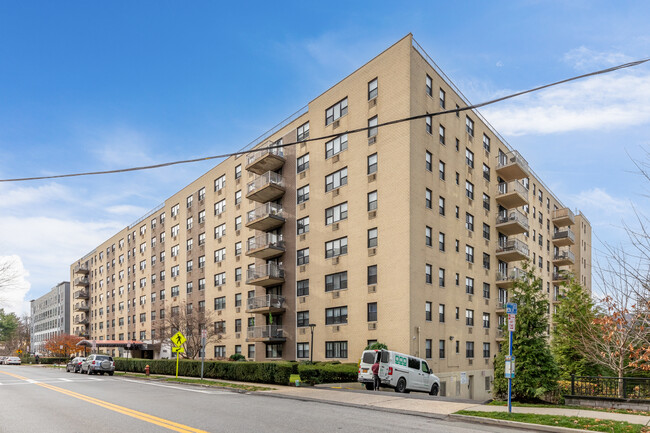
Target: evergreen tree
536	372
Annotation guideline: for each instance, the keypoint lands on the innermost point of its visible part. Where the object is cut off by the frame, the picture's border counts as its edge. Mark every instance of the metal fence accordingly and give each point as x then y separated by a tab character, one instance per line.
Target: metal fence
611	387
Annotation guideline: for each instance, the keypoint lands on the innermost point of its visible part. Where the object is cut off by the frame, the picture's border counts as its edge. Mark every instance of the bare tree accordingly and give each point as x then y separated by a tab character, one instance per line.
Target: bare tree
9	277
190	322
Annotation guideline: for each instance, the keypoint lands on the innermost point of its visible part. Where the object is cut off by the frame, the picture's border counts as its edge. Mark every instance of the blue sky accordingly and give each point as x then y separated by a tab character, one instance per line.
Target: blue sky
97	85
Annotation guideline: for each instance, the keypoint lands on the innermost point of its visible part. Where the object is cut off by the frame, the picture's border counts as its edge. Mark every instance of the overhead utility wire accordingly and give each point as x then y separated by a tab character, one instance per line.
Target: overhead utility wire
325	137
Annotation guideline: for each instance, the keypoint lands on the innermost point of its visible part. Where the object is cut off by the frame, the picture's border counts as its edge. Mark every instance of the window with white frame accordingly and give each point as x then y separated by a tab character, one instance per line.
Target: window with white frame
220	279
303	131
372	89
336	179
336	111
336	145
220	255
336	213
220	231
336	247
302	225
302	163
302	195
220	207
220	182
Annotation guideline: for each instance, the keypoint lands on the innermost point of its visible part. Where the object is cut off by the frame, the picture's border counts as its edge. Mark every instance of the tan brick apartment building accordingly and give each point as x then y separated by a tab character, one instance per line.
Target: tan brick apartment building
409	235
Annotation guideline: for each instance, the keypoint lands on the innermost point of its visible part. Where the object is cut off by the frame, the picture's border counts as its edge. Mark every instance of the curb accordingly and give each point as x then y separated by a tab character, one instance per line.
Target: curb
515	424
197	385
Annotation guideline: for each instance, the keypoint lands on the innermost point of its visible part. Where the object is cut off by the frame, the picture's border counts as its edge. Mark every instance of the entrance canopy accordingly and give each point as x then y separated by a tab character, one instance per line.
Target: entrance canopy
127	344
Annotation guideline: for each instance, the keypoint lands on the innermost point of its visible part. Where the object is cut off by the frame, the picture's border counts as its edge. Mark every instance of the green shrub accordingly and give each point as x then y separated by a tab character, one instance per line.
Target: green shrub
328	373
237	357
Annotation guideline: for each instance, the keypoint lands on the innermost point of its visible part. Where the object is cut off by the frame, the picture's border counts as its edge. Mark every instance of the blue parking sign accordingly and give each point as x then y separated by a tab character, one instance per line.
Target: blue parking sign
511	308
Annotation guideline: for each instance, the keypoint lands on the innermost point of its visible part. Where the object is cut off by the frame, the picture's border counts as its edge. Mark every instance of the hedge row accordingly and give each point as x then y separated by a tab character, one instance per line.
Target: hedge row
44	360
258	372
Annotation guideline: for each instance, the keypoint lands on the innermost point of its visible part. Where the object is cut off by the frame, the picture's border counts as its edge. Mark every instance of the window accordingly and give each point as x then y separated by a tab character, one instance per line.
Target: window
238	171
372	200
220	255
201	284
469	158
303	225
335	146
219	351
237	248
469	349
302	319
469	190
486	202
238	222
220	279
336	213
338	281
336	111
442	99
302	163
469	253
302	288
469	285
372	311
334	316
219	183
220	303
429	86
336	247
238	197
441	205
372	163
302	350
486	172
372	126
190	243
336	349
427	198
175	291
176	271
429	128
428	161
202	216
469	221
190	200
441	170
220	231
336	179
427	236
441	349
189	265
202	194
237	274
427	311
175	230
486	143
441	277
303	256
441	313
175	209
441	134
486	231
486	261
441	241
220	207
201	238
486	320
469	126
428	270
303	132
237	325
372	237
251	351
303	194
372	274
469	317
486	290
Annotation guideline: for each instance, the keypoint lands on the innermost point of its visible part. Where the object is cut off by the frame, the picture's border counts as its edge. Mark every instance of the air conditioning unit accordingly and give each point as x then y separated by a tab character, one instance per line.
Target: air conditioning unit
469	298
469	233
336	294
303	268
302	206
372	140
372	289
470	331
303	299
238	258
237	310
372	102
237	335
372	326
336	328
238	181
372	252
218	264
470	265
372	177
335	261
336	158
372	214
303	330
238	283
303	237
220	191
303	175
487	332
219	289
336	124
471	361
237	232
487	302
335	226
336	192
219	311
219	239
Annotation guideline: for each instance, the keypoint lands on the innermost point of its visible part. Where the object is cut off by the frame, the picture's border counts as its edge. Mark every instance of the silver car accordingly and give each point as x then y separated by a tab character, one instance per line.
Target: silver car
98	364
12	360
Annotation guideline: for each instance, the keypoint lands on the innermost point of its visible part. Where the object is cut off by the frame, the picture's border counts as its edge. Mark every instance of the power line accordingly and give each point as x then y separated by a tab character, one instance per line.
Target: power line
325	137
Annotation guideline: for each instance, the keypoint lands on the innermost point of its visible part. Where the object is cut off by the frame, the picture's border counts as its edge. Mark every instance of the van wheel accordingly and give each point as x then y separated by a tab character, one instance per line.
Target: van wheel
370	387
434	389
401	385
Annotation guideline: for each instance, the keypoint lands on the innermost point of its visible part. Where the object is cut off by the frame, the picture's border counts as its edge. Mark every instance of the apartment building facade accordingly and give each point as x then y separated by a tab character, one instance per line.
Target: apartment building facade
50	316
408	234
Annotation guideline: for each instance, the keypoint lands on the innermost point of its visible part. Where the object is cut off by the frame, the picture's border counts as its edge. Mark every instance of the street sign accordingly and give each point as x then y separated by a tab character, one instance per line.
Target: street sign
178	339
178	350
511	322
510	367
19	351
511	308
204	333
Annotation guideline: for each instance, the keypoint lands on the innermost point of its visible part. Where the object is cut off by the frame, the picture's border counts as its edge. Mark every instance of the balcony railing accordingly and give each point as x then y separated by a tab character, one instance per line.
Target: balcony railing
513	186
501	334
511	275
256	156
512	166
81	281
564	237
265	302
265	160
265	333
508	220
266	210
560	276
566	257
79	321
82	268
513	246
512	194
81	294
267	240
270	271
267	187
81	307
563	217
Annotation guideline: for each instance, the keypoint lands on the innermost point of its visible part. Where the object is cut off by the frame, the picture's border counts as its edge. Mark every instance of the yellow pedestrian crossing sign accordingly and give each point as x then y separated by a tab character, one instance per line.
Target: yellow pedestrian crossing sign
178	339
178	350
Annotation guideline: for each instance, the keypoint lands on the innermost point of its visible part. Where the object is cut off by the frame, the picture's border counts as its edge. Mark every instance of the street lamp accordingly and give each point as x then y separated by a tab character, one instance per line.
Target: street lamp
311	345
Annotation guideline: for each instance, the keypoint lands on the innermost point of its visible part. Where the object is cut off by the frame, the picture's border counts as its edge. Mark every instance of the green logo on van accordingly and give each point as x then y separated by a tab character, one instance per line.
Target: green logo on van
400	360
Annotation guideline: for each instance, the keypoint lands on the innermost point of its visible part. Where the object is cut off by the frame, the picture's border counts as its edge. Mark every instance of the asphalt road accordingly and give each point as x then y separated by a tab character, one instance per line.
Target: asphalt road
38	399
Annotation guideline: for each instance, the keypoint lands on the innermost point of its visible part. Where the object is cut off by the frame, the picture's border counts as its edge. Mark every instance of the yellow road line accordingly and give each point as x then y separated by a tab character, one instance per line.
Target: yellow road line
116	408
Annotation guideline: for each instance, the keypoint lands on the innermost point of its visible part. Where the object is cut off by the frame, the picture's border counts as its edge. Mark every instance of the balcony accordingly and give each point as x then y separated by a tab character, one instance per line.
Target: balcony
81	294
80	321
84	334
501	307
563	258
557	297
512	194
512	166
266	275
265	160
81	281
265	188
507	279
563	238
266	246
501	335
563	217
512	250
81	307
82	268
560	277
266	217
512	222
266	334
265	304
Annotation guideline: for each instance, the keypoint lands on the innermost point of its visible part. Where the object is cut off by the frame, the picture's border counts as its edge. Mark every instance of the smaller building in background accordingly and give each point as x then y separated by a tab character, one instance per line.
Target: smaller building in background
50	316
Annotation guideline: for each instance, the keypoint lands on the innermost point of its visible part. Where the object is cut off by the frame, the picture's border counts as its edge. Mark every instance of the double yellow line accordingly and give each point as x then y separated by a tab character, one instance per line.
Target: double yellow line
115	408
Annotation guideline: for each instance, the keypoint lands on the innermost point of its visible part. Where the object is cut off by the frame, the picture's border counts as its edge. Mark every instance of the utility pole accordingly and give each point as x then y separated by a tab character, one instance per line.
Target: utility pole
311	345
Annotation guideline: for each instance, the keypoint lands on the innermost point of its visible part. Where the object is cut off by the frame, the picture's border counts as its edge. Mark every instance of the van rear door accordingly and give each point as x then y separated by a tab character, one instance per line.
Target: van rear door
384	363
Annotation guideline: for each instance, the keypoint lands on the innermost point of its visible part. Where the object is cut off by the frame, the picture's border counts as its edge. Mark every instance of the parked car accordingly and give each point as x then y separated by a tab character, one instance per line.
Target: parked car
2	359
98	364
12	360
75	364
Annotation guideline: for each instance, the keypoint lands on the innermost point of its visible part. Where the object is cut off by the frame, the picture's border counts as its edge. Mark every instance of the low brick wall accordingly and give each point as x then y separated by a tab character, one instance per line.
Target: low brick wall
607	403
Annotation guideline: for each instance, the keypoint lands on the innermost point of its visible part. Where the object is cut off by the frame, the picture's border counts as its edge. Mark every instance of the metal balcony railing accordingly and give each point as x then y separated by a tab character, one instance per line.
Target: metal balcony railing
510	158
266	240
81	306
512	186
81	294
267	209
79	321
501	333
268	178
252	157
564	213
265	332
511	275
560	276
513	216
81	281
564	234
565	255
81	268
501	305
513	245
266	301
270	270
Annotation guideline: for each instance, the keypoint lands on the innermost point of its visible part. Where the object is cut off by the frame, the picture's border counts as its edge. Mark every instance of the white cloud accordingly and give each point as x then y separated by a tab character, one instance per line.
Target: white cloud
126	209
121	147
583	58
17	196
606	102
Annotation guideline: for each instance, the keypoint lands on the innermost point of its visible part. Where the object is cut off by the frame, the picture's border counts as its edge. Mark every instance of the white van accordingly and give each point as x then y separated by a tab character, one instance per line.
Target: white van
402	372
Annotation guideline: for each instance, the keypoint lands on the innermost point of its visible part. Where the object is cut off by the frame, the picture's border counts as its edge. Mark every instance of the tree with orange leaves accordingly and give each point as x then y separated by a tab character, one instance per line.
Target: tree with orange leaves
63	345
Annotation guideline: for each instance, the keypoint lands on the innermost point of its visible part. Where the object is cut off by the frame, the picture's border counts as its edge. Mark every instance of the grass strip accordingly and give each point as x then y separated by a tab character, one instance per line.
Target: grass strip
559	406
199	381
592	424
